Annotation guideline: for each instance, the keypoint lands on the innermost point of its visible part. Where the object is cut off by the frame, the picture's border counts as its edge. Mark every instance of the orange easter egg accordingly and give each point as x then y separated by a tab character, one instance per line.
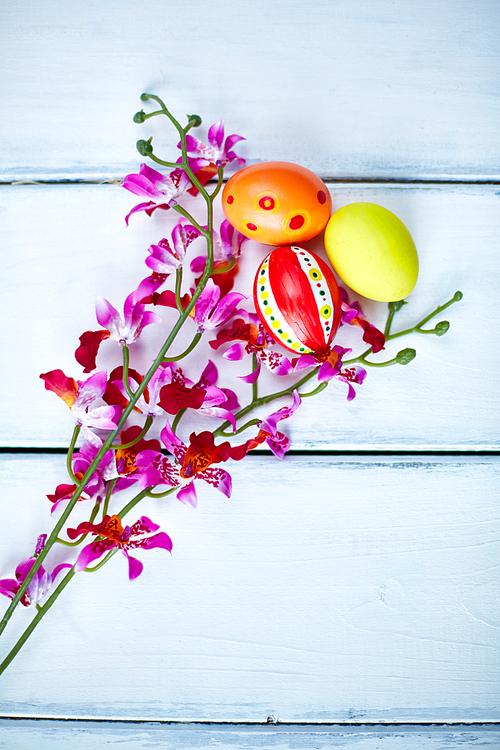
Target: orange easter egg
277	203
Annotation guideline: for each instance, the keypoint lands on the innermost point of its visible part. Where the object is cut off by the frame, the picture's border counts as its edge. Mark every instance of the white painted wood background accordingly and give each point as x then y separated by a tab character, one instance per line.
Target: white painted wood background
328	588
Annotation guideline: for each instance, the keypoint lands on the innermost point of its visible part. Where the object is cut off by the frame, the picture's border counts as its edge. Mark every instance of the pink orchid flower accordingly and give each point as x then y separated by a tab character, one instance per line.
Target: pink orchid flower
124	330
227	247
219	151
164	258
353	315
41	582
111	534
129	328
80	395
210	311
251	338
193	462
97	485
277	441
162	191
331	367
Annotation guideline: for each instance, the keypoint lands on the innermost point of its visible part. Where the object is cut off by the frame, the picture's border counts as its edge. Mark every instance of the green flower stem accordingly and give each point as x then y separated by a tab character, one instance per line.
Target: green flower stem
95	511
132	503
417	329
103	561
41	612
128	409
182	134
251	423
109	492
226	268
126	360
321	387
255	386
394	307
190	348
71	450
145	429
178	283
163	494
177	419
263	400
182	211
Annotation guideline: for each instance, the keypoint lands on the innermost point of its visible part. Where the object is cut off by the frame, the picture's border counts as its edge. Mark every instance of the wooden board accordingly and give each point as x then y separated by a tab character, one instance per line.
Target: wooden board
326	589
349	89
87	735
64	245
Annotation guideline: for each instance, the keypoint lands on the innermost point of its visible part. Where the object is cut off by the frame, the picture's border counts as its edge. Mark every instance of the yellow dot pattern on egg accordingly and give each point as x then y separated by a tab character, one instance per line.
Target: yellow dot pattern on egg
315	274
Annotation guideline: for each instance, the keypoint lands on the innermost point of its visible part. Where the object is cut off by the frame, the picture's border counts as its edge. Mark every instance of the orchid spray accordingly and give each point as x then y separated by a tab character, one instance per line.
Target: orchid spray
114	454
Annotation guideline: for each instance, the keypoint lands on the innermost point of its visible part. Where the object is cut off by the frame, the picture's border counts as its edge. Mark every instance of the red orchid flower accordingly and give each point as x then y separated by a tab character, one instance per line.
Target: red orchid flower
111	534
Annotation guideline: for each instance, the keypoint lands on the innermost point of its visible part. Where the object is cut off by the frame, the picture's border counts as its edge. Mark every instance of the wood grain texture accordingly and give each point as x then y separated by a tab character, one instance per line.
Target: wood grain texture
324	590
60	736
349	89
64	245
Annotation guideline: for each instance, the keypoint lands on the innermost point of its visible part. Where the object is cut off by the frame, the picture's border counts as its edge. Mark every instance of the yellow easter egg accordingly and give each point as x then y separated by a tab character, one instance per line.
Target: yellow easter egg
372	251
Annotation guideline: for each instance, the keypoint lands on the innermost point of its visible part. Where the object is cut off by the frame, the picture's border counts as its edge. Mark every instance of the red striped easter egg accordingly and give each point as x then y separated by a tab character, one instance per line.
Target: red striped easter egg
297	299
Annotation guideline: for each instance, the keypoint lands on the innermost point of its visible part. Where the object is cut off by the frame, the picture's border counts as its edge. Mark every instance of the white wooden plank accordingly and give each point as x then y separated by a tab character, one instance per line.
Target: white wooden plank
323	590
65	245
349	89
54	735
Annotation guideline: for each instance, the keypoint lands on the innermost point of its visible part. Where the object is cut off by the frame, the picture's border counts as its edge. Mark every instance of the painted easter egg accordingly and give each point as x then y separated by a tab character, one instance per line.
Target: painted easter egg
297	299
277	203
372	251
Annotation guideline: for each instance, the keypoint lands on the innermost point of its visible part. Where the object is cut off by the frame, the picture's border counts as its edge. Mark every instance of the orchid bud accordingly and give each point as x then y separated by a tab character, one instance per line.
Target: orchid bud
405	356
139	116
458	296
194	121
441	328
396	306
144	147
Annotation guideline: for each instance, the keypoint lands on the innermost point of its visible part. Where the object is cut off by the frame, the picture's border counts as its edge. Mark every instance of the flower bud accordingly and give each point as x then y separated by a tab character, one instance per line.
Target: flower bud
405	356
194	121
144	97
458	296
396	306
441	328
139	116
144	148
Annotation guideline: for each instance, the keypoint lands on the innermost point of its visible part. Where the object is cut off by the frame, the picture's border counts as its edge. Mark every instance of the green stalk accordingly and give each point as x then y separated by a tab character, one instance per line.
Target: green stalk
128	409
71	450
42	611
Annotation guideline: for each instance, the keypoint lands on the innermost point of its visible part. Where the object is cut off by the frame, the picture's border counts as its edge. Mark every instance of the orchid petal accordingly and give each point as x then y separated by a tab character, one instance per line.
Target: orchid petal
187	495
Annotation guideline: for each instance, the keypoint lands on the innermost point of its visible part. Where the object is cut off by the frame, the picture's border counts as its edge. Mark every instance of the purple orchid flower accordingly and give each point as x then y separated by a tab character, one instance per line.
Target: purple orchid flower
114	535
209	312
135	318
277	441
41	582
80	395
219	151
332	368
166	257
97	486
162	191
227	247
